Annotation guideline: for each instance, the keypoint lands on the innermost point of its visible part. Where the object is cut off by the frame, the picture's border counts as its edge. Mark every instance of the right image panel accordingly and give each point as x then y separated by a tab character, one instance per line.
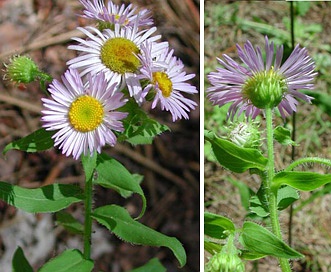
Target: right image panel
267	144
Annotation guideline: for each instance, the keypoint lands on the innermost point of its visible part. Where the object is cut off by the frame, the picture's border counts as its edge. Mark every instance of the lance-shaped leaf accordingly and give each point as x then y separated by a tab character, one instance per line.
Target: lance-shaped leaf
112	174
50	198
258	239
235	158
119	221
216	226
71	260
20	263
304	181
39	140
212	247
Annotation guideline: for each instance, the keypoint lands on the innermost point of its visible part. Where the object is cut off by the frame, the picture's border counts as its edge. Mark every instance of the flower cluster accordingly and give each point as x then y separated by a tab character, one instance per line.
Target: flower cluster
119	57
259	84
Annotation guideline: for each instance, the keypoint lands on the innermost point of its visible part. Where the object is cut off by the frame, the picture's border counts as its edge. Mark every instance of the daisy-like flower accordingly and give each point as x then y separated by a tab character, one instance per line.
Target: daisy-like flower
114	52
257	84
166	80
83	114
111	14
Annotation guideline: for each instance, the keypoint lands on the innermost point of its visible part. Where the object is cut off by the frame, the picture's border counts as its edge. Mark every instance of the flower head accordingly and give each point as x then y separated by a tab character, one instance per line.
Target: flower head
21	69
244	134
226	260
259	84
83	114
166	79
114	14
113	52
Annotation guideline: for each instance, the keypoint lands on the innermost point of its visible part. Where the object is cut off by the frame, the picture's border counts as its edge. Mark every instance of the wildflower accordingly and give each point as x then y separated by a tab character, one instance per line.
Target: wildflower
114	53
83	114
259	84
166	80
111	14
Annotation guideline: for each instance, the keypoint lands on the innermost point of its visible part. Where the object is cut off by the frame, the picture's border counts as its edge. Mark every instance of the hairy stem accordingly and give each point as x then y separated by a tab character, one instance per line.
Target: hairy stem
272	197
88	219
296	163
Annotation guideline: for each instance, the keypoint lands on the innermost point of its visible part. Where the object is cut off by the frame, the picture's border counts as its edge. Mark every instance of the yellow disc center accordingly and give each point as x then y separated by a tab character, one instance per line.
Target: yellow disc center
163	82
118	54
86	113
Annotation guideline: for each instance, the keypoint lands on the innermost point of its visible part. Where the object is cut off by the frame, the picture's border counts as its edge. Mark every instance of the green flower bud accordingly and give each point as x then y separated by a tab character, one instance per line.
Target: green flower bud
21	69
227	260
224	262
265	89
245	134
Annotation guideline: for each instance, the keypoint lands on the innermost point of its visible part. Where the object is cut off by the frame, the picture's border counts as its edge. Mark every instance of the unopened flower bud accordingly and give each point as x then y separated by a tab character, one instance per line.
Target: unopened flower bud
21	69
227	260
245	134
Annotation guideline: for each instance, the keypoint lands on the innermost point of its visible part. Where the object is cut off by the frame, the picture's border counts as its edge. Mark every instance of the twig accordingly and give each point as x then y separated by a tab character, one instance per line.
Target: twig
62	38
20	103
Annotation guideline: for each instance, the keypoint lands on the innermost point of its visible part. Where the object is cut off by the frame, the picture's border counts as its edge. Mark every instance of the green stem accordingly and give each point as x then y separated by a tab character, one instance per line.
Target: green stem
88	218
308	160
272	197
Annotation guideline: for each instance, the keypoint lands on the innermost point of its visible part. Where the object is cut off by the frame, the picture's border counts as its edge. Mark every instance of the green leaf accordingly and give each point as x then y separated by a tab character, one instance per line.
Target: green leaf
69	222
216	225
286	196
89	164
20	263
139	128
70	260
118	220
152	266
39	140
260	240
111	174
257	207
283	136
212	247
251	256
304	181
235	158
259	203
50	198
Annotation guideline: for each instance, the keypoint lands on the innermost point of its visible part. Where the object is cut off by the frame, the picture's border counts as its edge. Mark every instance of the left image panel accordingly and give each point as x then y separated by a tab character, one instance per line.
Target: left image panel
99	135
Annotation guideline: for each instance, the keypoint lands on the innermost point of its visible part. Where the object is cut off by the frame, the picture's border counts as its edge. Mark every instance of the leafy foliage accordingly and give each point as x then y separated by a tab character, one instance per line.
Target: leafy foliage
111	174
139	127
68	261
50	198
235	158
39	140
260	240
217	226
20	263
118	220
304	181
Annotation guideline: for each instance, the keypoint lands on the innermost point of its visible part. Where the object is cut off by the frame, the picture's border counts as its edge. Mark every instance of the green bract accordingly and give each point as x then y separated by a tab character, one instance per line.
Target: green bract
265	89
